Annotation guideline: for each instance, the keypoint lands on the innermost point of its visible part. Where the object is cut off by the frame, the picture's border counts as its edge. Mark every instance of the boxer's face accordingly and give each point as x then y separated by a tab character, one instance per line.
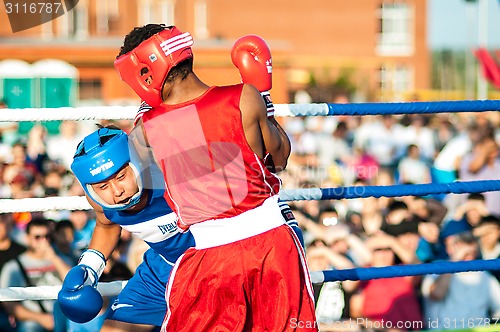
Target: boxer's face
119	188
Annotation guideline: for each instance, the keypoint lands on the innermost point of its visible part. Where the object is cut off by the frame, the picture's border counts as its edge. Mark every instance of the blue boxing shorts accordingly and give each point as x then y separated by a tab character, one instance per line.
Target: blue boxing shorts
142	301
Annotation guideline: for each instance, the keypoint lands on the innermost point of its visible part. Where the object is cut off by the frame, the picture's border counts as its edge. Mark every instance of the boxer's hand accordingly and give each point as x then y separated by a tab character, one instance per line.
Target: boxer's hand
252	56
79	299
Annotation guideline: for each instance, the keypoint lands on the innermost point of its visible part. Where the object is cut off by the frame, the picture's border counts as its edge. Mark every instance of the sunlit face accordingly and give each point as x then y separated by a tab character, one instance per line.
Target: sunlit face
489	234
119	188
38	238
382	257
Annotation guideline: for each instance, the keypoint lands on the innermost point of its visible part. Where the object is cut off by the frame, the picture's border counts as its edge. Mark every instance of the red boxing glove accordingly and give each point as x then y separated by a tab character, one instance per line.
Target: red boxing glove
251	55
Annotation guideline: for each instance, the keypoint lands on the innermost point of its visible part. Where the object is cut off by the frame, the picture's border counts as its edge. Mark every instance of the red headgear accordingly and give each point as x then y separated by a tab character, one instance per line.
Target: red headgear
146	67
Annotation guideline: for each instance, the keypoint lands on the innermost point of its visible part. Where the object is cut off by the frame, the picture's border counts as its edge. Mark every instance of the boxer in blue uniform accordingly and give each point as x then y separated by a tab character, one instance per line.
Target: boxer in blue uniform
122	189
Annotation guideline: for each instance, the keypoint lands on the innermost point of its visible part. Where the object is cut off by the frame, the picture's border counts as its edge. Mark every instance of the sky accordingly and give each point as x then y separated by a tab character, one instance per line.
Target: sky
449	27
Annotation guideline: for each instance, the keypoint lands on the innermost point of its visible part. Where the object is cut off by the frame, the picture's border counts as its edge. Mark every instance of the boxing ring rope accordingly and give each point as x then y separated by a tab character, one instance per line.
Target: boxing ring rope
418	107
457	187
114	288
369	273
320	109
80	202
12	294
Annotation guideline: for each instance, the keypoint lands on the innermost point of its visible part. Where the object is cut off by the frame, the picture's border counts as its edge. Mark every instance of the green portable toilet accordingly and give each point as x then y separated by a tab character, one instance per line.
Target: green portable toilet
17	90
17	84
57	86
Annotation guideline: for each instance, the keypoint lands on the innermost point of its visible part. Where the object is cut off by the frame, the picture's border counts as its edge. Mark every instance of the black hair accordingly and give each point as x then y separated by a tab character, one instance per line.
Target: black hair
405	227
490	219
327	207
140	34
37	221
106	138
397	205
410	147
342	125
181	70
65	223
476	197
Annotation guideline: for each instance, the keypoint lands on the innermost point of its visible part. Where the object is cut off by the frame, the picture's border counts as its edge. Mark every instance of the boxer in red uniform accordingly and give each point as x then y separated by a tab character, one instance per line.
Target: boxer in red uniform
247	271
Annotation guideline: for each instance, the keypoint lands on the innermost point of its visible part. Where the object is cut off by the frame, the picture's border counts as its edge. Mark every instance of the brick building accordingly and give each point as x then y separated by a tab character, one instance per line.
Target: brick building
380	43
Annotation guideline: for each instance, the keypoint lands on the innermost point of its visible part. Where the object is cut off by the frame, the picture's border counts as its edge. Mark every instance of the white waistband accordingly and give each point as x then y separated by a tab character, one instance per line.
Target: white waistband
217	232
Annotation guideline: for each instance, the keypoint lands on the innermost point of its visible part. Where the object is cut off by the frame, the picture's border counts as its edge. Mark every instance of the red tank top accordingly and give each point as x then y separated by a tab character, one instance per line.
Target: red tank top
210	170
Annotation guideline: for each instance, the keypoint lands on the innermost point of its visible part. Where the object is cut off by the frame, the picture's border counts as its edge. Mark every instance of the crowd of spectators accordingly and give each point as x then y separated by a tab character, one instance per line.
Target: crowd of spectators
326	152
39	248
387	150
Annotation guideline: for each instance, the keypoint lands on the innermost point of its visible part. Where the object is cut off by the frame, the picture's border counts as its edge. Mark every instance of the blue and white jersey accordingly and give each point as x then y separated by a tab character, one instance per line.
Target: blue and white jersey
156	224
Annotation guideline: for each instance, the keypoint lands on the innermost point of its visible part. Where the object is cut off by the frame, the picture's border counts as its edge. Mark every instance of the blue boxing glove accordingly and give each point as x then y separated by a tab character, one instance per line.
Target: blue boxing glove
79	299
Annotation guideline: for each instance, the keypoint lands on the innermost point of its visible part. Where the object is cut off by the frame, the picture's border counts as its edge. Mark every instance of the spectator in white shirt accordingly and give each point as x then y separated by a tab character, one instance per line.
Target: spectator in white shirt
412	169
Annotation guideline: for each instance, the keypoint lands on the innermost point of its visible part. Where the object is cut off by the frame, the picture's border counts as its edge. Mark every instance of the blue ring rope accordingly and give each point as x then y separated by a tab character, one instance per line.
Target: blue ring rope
457	187
415	107
323	109
441	267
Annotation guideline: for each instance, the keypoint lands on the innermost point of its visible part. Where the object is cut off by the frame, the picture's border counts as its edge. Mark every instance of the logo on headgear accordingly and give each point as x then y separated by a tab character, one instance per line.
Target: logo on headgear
102	167
153	57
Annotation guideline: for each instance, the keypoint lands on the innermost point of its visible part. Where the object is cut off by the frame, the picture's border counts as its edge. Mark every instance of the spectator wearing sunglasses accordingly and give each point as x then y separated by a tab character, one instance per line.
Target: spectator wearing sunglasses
39	265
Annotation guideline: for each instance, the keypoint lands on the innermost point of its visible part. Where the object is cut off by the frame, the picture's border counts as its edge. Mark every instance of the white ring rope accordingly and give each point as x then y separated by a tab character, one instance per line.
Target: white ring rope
69	113
50	292
120	112
44	204
320	109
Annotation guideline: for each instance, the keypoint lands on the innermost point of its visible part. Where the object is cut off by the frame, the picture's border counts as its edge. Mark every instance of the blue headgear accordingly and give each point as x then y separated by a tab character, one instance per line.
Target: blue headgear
101	155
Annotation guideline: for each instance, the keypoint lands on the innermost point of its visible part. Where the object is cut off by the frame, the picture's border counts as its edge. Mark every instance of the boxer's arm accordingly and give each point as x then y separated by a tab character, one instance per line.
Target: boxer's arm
261	134
252	56
286	147
106	233
79	299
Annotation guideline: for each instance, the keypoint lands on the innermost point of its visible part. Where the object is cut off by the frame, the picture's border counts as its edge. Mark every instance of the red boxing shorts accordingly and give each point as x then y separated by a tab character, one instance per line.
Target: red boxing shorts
260	283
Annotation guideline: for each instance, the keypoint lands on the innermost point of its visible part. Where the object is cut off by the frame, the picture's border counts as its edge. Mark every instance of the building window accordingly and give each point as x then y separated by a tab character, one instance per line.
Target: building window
166	11
90	89
395	29
107	13
74	24
396	80
47	32
161	11
200	19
